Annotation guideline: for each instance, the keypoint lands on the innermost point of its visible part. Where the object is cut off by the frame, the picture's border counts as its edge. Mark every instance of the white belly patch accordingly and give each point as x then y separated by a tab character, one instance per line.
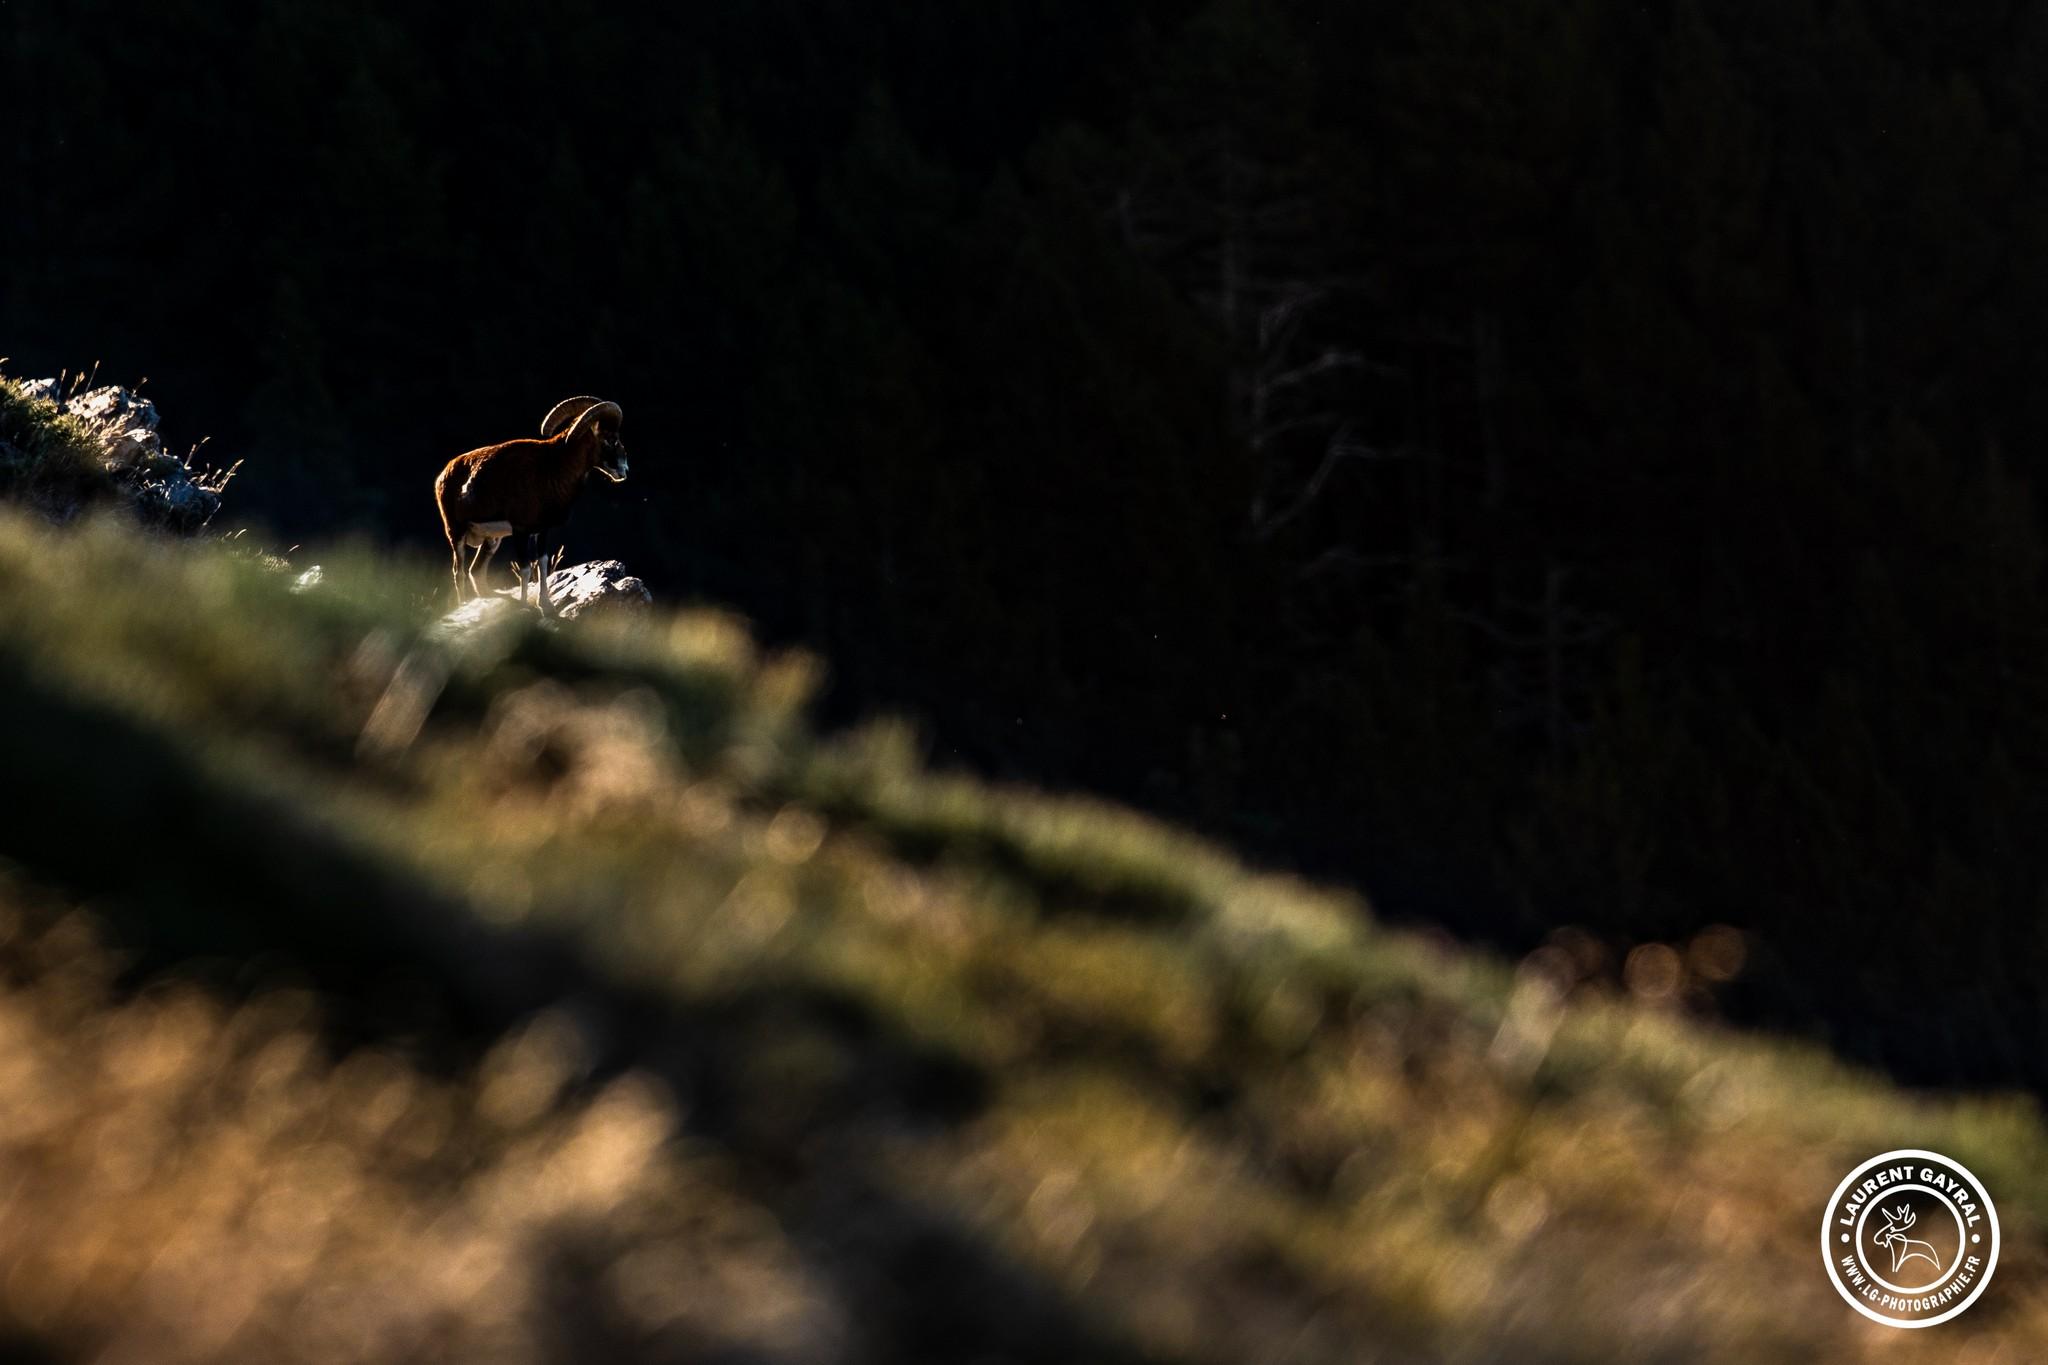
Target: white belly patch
480	531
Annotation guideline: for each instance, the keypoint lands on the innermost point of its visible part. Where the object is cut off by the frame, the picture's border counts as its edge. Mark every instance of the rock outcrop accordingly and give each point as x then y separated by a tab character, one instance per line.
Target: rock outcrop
598	586
121	426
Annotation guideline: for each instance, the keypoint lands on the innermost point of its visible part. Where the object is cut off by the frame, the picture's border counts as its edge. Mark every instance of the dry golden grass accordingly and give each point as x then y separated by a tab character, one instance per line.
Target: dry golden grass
740	1043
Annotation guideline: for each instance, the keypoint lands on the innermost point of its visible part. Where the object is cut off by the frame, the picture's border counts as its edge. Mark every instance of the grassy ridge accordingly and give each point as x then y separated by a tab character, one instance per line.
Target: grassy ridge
562	987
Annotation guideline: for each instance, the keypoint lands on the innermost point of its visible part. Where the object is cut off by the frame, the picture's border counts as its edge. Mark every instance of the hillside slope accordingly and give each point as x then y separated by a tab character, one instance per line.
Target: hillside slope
555	994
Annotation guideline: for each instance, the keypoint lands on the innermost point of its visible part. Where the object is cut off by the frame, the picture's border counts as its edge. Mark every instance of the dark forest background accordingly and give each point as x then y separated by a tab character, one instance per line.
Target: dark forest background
1551	461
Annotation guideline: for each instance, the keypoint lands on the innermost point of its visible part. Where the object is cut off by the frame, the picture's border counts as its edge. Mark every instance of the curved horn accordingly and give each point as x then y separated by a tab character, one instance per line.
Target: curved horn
565	412
597	412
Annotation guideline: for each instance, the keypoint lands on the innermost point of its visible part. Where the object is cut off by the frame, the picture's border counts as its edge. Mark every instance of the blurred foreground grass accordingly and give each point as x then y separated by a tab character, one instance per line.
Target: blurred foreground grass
558	995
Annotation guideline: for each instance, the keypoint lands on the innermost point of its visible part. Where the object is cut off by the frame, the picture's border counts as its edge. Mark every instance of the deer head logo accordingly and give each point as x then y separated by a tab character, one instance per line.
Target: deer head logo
1892	1237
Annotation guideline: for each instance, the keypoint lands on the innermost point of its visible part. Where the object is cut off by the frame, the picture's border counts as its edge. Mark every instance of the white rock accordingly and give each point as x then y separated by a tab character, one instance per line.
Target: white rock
598	585
112	408
601	585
